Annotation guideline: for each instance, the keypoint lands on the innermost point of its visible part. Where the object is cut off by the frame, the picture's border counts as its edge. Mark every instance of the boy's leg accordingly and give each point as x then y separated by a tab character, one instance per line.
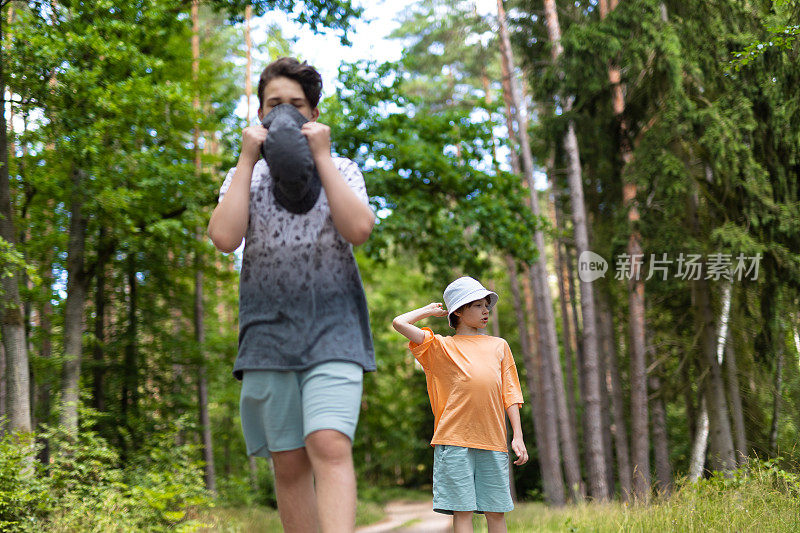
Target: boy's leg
294	490
496	522
331	402
462	522
331	457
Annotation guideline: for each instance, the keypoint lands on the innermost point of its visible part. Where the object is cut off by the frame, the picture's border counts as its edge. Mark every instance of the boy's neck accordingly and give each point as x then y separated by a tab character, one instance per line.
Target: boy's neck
467	330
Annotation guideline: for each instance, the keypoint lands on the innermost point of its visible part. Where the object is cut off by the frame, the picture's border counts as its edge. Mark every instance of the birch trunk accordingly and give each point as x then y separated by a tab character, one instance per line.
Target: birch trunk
697	457
721	444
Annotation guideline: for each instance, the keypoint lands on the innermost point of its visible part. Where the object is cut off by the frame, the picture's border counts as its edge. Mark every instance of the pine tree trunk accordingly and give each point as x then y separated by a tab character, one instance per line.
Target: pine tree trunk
636	303
130	365
592	419
619	428
544	424
776	399
737	413
591	359
248	80
660	437
549	390
98	370
199	318
566	328
73	309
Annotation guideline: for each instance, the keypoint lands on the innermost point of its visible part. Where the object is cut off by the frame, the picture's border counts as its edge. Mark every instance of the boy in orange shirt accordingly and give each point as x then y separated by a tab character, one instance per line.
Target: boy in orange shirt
472	384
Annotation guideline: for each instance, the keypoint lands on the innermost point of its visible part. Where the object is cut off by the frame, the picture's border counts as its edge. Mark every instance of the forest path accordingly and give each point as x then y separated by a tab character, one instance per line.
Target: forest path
410	517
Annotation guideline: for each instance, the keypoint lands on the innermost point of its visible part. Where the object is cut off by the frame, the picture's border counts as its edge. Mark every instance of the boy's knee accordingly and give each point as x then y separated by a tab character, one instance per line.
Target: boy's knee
495	517
290	464
329	445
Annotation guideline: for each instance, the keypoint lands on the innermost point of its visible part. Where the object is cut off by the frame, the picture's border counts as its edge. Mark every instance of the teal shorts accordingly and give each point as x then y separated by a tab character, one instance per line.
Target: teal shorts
279	409
469	479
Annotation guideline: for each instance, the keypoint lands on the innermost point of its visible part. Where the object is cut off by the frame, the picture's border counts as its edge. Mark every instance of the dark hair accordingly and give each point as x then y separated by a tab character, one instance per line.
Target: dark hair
455	318
288	67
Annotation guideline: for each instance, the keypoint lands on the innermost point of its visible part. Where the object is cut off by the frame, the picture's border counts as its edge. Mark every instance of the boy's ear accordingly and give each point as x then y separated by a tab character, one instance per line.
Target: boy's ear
260	114
314	114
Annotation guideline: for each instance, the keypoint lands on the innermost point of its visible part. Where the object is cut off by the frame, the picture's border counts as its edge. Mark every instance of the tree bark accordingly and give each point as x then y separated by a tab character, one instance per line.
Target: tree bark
614	384
544	423
734	395
636	303
551	405
697	457
98	370
660	437
199	319
591	360
722	456
548	342
737	413
776	400
592	419
77	281
130	365
561	268
12	325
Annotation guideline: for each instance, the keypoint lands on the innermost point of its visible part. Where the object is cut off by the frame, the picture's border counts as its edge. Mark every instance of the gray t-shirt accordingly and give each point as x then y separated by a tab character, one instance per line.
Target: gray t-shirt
301	301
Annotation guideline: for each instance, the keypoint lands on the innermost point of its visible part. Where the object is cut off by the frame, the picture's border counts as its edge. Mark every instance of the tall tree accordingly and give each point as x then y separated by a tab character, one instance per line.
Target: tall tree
593	433
548	340
12	325
199	308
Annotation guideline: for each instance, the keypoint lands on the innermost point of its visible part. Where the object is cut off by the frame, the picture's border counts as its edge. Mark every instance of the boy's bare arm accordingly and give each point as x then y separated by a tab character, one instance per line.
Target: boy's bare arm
352	218
404	324
517	443
229	220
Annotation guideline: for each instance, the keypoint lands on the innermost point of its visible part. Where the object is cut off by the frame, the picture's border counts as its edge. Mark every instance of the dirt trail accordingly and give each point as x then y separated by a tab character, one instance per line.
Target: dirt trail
410	517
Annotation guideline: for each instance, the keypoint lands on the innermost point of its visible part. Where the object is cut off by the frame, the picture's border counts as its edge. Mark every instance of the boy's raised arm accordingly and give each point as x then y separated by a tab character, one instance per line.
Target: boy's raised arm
404	324
352	218
229	220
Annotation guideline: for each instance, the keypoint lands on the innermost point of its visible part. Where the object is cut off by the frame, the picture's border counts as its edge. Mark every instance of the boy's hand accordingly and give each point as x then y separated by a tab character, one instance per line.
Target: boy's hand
252	139
518	446
319	139
434	309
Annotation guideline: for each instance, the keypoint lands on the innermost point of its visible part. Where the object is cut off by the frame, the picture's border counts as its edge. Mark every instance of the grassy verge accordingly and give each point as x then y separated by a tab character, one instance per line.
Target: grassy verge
759	500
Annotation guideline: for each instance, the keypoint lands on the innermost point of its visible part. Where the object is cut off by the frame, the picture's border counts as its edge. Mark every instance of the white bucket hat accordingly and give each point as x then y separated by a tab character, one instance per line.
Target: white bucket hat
463	291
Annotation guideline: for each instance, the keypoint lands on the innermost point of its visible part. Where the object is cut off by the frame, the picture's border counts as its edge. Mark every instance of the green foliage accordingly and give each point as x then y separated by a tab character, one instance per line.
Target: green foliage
429	172
23	495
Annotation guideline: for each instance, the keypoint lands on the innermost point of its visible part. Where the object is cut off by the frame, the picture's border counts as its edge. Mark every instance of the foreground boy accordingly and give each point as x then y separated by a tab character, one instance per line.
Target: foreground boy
304	338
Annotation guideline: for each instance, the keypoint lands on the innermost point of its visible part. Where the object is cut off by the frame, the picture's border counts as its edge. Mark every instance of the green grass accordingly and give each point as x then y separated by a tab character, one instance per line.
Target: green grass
762	500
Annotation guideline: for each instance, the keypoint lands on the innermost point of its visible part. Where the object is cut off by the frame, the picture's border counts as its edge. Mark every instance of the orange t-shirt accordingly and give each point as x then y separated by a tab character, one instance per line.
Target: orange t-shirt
472	380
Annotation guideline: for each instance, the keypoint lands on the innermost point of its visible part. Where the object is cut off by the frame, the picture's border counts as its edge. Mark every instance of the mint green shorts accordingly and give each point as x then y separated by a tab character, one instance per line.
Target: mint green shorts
279	409
469	479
